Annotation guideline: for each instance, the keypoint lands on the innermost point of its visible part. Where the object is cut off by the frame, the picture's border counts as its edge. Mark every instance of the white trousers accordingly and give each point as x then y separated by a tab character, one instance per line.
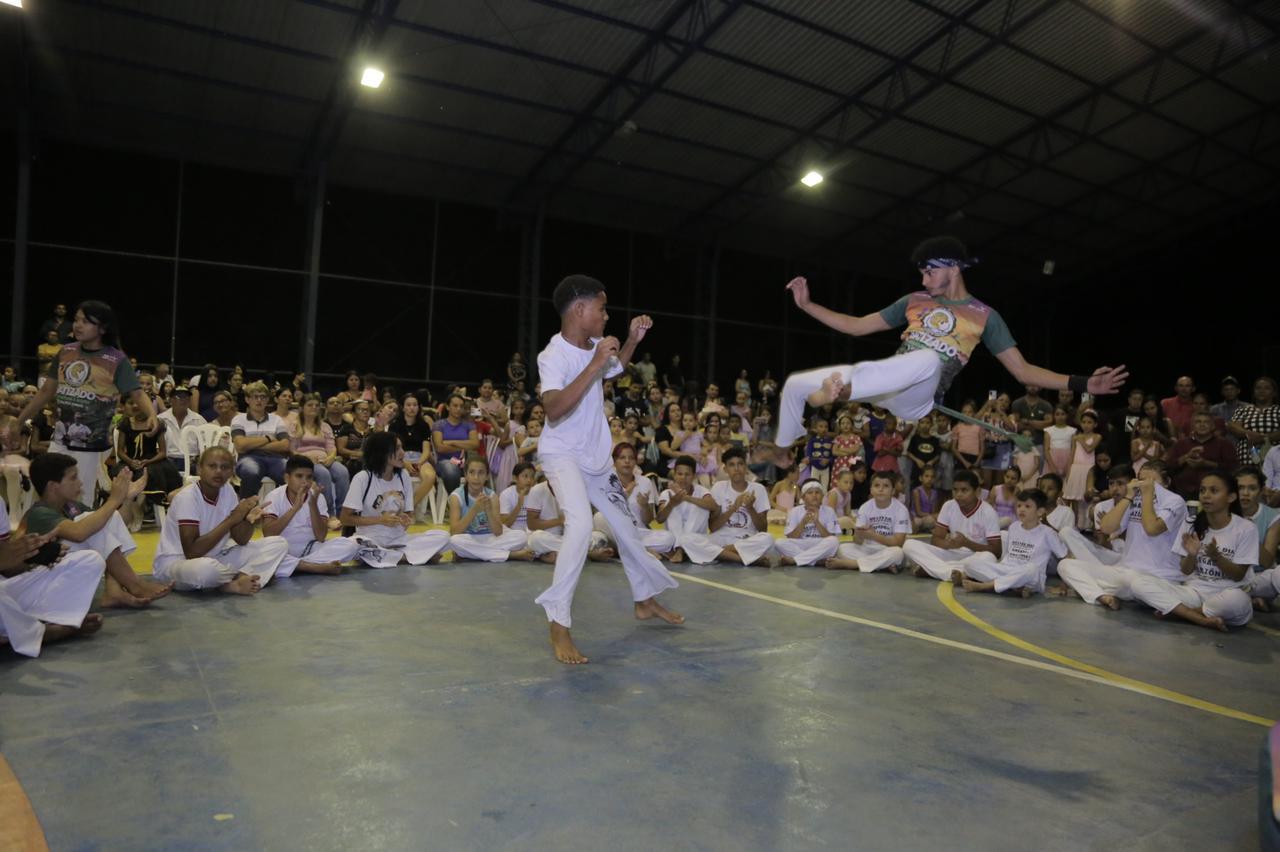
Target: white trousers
577	491
699	547
340	549
872	556
417	549
260	557
986	568
1082	548
545	541
1093	579
57	594
937	562
654	541
487	547
113	536
904	384
807	551
88	463
1266	584
1231	605
752	547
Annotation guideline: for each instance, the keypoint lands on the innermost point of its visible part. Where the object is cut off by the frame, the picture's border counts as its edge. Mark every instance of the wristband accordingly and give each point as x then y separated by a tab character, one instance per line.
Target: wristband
1079	384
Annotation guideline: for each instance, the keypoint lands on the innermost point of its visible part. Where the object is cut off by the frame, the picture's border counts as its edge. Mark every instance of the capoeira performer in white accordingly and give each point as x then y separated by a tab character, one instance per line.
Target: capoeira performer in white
1029	545
1218	551
685	508
298	513
1151	517
574	453
45	593
966	525
944	324
812	530
205	541
881	530
642	497
475	519
378	505
741	526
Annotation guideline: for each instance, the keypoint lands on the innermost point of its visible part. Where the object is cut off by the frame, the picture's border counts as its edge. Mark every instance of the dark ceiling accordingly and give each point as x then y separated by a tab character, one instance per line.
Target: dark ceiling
1079	130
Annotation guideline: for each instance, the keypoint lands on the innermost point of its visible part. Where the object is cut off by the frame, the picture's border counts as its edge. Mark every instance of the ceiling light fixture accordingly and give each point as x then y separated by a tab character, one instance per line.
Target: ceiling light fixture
17	3
372	77
811	179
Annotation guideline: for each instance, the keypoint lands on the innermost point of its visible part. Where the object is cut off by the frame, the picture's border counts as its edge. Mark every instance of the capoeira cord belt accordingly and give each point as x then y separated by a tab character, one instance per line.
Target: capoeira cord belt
1022	442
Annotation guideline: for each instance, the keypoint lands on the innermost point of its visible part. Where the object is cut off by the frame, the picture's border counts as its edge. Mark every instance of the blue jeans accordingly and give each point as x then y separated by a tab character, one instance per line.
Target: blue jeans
335	480
253	467
450	474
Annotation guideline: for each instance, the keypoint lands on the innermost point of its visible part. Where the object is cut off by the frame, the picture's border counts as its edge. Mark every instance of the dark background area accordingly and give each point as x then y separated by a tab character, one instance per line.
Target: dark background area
415	288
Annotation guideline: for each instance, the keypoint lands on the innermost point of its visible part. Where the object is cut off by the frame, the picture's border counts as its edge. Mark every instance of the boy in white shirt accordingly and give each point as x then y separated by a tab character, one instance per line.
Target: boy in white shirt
574	453
881	531
297	512
966	525
512	500
1107	548
812	529
685	508
741	524
1025	563
206	539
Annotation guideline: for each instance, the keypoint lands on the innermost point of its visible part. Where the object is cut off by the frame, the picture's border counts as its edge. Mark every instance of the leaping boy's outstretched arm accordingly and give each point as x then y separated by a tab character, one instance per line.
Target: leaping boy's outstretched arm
1103	381
846	323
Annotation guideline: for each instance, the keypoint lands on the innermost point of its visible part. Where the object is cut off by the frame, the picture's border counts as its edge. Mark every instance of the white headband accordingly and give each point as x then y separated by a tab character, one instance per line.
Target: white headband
810	486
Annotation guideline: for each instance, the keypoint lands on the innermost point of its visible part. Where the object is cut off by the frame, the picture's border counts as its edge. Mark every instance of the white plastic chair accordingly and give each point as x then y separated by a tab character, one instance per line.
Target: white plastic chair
194	440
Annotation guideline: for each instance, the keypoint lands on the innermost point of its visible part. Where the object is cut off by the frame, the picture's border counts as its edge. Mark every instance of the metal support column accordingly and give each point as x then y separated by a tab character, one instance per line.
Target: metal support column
431	294
177	260
713	287
315	235
21	235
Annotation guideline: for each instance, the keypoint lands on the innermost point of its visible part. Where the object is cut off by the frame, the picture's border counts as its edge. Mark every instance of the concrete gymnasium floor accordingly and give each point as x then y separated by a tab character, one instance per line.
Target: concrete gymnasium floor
797	709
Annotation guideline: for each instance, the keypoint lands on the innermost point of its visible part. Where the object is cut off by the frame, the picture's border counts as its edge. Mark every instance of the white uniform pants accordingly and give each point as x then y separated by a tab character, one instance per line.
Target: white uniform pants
88	463
1093	579
260	557
330	550
807	551
57	594
904	384
986	568
699	547
417	549
114	535
487	547
937	562
752	547
1231	605
1082	548
1266	584
654	541
545	541
872	556
577	491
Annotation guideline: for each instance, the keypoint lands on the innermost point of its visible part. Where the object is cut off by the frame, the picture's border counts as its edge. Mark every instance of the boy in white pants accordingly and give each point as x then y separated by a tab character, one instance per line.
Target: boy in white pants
685	509
642	499
1150	516
475	521
881	531
44	602
1107	548
546	528
966	525
574	453
1029	546
812	529
741	525
297	512
205	542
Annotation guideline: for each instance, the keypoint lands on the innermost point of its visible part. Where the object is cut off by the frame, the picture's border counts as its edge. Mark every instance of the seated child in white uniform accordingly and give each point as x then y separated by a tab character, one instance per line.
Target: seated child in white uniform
1099	546
546	527
511	502
642	498
298	513
1266	520
882	529
685	508
812	529
475	519
966	525
1029	546
740	526
378	504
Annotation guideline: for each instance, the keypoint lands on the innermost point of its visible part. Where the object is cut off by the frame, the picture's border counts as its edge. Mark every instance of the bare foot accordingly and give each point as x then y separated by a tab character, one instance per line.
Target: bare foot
676	556
329	568
562	643
115	596
522	555
894	569
1109	601
959	579
243	584
150	590
603	554
835	563
786	560
549	558
92	624
832	387
652	609
1216	623
1059	591
1260	605
1025	592
917	571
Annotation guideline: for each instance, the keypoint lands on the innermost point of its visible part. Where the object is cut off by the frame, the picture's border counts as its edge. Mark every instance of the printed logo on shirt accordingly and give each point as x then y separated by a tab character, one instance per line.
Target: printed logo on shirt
618	496
939	322
76	373
389	502
1206	567
1021	550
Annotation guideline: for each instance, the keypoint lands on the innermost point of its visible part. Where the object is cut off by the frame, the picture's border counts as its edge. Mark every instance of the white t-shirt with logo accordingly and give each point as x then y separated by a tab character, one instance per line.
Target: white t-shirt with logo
584	432
370	496
687	518
982	524
1033	547
507	503
826	517
741	521
298	532
542	501
891	520
1238	542
1155	553
190	508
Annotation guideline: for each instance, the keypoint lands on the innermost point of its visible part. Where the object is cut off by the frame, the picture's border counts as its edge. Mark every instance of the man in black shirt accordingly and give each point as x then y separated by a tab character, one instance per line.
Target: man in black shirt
59	323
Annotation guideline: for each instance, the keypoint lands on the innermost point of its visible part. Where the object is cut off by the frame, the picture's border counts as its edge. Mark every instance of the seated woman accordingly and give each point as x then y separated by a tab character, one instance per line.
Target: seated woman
351	391
642	500
453	436
475	520
313	437
413	428
351	437
285	410
378	505
812	530
206	541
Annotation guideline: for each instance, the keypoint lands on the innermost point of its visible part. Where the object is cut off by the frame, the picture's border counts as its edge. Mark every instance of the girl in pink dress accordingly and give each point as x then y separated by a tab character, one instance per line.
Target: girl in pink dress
1004	498
1086	444
847	446
1058	442
1146	447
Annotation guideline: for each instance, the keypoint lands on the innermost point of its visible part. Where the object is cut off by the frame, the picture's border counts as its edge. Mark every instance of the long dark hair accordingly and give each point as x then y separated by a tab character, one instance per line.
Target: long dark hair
378	448
1201	524
102	315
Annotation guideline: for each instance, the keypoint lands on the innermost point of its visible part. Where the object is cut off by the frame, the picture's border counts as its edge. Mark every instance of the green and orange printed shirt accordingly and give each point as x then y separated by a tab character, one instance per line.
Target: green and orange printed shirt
951	328
89	383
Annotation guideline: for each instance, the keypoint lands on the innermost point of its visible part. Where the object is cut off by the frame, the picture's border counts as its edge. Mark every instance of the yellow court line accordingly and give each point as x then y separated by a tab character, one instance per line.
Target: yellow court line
1270	631
947	595
1065	671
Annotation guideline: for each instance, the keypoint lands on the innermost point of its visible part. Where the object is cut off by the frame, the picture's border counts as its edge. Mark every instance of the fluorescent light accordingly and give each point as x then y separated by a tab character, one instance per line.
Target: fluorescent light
371	77
17	3
811	179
